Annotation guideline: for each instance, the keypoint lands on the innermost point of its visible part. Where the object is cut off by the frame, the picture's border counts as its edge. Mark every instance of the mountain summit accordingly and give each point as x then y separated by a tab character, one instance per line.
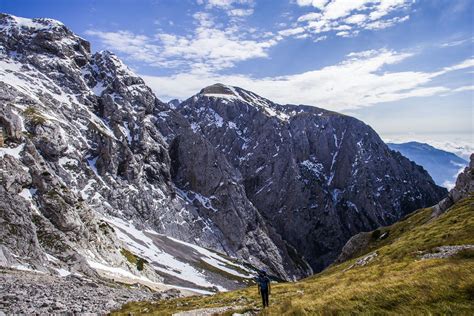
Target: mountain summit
218	90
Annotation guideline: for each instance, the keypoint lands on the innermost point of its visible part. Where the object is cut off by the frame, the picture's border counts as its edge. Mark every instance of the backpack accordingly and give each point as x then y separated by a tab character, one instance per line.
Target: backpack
263	282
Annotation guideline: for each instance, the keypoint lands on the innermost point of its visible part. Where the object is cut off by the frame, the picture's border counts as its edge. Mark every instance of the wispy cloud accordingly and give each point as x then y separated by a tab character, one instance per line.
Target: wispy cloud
210	47
348	18
361	79
135	46
458	42
357	81
240	12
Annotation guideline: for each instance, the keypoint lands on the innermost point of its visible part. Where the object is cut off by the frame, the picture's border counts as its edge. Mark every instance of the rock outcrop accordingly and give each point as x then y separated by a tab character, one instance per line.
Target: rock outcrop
464	186
29	293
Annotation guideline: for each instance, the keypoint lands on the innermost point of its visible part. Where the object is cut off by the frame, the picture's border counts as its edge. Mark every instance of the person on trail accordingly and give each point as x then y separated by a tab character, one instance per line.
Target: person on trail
263	283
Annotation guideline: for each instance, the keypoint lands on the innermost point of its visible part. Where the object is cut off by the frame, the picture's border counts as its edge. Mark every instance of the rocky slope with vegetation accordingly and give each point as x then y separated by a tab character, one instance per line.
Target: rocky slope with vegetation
423	264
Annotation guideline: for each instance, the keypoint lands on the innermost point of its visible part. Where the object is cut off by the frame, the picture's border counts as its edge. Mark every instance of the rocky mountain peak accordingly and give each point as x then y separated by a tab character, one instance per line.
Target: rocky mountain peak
237	99
218	89
317	176
224	93
11	23
28	38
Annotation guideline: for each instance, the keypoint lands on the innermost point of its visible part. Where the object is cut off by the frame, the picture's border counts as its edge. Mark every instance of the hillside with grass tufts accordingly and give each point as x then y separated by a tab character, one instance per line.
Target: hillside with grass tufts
422	264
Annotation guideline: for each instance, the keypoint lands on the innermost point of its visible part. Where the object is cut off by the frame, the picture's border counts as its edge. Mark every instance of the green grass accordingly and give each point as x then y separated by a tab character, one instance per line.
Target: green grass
134	259
395	282
34	116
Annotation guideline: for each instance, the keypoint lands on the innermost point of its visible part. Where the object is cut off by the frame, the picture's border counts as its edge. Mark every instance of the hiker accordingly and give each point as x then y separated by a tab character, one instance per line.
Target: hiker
263	282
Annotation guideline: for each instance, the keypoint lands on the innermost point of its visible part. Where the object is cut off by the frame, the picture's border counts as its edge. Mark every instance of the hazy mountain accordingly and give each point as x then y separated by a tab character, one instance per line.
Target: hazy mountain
443	166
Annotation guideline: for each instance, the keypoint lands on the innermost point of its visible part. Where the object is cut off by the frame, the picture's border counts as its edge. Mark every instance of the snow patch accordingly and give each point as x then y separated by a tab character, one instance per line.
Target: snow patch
144	246
63	272
14	152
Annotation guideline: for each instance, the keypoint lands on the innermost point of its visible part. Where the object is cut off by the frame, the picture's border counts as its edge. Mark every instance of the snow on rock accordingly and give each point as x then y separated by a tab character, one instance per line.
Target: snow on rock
63	272
228	94
315	168
15	151
18	23
146	244
218	261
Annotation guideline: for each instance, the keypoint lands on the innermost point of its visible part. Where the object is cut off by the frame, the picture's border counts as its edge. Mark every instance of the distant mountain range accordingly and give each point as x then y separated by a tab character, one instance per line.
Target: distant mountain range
443	166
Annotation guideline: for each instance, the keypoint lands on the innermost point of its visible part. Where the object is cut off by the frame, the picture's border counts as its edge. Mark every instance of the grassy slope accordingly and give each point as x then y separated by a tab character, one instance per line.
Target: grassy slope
395	282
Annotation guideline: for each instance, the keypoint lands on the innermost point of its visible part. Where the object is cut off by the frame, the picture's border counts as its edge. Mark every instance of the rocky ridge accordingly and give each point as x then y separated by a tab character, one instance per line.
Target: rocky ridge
464	188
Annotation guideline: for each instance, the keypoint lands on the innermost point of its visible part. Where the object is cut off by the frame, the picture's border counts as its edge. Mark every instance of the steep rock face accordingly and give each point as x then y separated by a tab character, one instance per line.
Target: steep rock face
205	177
318	177
89	146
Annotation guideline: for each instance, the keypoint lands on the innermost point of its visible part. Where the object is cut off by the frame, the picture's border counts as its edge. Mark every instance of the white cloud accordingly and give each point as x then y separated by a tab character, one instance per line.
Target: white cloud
310	17
356	19
361	14
315	3
209	48
342	8
137	47
354	83
233	8
240	12
465	64
383	24
294	31
464	88
319	38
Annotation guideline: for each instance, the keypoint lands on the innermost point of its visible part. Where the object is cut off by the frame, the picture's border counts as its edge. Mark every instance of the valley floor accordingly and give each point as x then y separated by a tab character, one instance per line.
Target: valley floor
389	276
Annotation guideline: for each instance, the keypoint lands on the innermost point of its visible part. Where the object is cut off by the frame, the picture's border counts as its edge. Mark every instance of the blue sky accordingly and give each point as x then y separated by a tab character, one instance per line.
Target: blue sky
405	67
